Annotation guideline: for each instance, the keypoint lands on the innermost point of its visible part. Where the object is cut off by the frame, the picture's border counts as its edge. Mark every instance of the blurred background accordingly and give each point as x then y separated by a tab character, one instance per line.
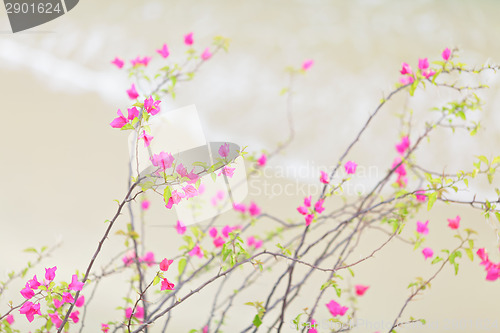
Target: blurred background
62	164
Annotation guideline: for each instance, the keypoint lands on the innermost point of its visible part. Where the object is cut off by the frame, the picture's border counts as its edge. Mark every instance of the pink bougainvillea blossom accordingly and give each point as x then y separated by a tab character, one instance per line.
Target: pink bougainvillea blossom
30	310
302	210
224	150
307	64
493	274
313	327
67	298
407	79
428	253
149	259
228	171
361	289
57	303
219	241
309	219
118	62
74	316
350	167
180	227
105	328
75	285
446	54
239	207
307	201
27	292
55	319
206	54
167	285
336	309
422	228
33	283
262	160
400	170
420	195
423	63
454	223
405	69
119	121
10	319
318	206
162	160
128	258
253	209
403	145
163	51
324	178
145	204
140	62
226	230
196	251
50	273
165	264
146	137
213	232
428	73
258	243
188	39
80	301
132	92
151	106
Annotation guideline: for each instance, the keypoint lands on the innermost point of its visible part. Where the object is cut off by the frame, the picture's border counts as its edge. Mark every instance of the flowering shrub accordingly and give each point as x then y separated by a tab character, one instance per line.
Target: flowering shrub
213	253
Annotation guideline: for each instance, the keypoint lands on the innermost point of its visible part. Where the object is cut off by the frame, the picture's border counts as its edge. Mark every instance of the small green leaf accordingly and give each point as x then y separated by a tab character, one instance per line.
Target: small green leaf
257	321
181	265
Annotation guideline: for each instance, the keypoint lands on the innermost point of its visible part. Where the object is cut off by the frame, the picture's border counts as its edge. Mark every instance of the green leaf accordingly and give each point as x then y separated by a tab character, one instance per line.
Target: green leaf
257	321
167	194
432	199
469	254
436	260
156	280
181	265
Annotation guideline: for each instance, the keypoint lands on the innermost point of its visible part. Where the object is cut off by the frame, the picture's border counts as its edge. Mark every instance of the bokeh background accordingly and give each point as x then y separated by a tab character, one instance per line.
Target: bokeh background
62	164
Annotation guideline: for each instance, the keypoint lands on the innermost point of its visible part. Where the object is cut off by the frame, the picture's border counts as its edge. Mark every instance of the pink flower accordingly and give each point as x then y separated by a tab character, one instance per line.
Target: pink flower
132	113
226	230
428	73
224	150
27	292
132	93
118	62
167	285
190	191
206	54
50	273
360	289
33	283
149	258
318	206
405	69
262	160
205	329
145	204
400	170
228	171
57	303
140	62
239	207
428	253
250	240
336	309
164	51
482	254
10	319
446	54
404	80
80	301
313	327
30	310
105	328
196	251
119	121
422	227
162	160
253	209
165	264
421	197
302	210
188	39
140	312
213	232
74	316
75	285
309	219
324	178
181	228
401	181
307	201
258	243
454	223
423	63
493	274
128	258
128	312
146	137
350	167
151	106
54	317
403	145
67	298
219	241
307	64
